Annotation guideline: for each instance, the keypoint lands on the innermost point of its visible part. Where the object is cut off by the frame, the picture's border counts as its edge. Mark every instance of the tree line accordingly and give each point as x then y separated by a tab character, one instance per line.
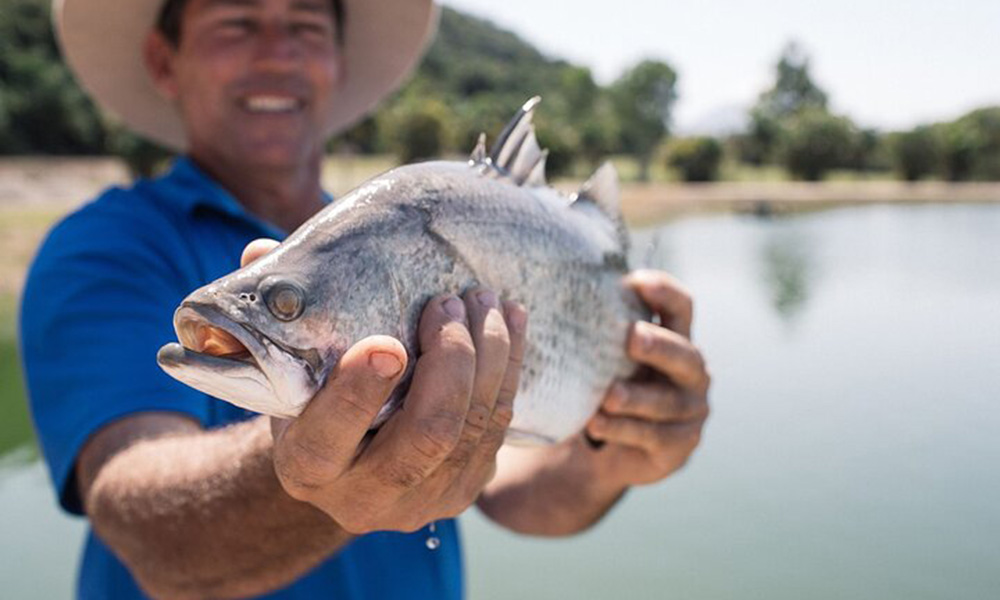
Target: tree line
474	78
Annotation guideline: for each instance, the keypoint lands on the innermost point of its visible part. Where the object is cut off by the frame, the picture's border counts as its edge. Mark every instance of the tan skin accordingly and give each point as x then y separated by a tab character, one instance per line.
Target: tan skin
249	508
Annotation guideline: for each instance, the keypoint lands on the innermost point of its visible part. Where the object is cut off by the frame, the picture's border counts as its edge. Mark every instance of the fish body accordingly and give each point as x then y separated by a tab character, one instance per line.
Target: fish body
266	337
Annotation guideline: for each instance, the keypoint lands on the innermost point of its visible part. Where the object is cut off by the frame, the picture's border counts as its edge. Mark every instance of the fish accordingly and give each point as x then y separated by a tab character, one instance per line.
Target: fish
266	337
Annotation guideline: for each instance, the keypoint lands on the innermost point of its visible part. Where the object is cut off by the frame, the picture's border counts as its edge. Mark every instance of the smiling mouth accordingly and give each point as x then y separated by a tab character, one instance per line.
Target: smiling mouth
271	104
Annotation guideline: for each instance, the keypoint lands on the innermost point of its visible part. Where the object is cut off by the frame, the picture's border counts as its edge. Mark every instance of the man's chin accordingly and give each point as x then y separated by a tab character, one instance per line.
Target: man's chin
276	154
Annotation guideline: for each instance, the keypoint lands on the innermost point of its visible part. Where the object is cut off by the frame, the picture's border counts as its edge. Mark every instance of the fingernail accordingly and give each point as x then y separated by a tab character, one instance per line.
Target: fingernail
454	308
385	364
487	298
517	319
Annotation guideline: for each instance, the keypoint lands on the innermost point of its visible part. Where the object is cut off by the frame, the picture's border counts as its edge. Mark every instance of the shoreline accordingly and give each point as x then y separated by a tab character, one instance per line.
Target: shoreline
648	203
37	191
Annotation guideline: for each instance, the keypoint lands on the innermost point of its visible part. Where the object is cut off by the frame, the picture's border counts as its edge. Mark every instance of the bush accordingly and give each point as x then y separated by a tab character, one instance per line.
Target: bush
696	158
816	141
562	144
416	129
917	153
972	146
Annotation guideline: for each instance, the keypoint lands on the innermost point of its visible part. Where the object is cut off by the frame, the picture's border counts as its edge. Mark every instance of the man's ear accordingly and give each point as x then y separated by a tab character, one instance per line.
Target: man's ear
159	54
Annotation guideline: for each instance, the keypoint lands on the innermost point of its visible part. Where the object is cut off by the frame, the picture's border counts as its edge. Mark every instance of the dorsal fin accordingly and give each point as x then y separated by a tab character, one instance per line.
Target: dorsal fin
478	155
516	152
603	190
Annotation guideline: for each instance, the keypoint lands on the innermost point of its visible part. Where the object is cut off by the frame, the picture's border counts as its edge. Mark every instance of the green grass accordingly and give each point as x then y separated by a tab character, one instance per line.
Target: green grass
15	424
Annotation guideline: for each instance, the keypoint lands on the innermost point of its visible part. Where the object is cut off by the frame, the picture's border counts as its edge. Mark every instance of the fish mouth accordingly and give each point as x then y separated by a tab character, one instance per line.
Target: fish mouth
204	332
229	360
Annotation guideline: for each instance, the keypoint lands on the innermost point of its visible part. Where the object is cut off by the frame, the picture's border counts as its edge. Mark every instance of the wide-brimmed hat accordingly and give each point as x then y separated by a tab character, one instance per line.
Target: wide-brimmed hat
102	40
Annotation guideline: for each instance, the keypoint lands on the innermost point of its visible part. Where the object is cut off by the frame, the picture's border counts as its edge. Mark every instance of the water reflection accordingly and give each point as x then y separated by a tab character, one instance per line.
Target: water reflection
651	249
787	271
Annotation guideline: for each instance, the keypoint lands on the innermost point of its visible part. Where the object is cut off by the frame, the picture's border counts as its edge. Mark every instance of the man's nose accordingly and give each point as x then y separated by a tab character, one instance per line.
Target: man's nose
277	45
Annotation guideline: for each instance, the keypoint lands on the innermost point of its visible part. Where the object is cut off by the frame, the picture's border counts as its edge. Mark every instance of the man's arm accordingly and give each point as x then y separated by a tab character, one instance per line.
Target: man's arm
243	510
198	513
647	429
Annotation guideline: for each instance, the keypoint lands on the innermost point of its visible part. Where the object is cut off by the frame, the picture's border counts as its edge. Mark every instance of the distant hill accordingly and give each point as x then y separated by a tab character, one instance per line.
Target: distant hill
472	56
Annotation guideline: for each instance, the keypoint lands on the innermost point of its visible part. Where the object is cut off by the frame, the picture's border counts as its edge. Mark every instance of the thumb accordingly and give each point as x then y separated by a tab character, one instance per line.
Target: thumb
337	418
256	249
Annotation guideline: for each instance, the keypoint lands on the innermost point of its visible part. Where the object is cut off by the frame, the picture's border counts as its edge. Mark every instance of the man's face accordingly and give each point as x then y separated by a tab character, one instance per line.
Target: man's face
255	79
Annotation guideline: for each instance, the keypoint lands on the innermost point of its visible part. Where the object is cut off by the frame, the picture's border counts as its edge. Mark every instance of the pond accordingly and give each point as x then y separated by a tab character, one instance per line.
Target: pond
852	451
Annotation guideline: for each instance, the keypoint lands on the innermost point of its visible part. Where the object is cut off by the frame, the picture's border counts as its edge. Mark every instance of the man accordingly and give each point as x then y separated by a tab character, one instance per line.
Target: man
191	497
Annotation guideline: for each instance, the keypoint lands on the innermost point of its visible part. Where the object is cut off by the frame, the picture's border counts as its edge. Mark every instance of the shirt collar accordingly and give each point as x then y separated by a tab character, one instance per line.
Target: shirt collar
196	189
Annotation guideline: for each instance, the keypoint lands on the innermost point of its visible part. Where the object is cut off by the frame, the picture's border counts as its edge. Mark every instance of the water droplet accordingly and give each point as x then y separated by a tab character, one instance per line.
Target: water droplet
433	542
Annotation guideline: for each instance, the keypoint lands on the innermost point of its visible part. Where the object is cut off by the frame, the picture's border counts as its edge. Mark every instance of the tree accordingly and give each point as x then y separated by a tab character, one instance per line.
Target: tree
644	99
43	109
972	146
793	91
697	158
918	152
815	142
580	92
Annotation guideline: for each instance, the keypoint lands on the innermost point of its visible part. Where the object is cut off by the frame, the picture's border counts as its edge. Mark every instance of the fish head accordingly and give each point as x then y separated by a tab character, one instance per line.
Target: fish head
266	336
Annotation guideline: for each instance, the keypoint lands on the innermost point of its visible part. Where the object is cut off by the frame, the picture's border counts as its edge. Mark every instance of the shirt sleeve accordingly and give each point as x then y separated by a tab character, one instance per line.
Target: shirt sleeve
97	306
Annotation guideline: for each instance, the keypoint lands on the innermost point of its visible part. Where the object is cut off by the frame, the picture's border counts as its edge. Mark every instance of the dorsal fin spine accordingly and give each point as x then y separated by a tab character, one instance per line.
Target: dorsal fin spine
478	155
603	191
516	152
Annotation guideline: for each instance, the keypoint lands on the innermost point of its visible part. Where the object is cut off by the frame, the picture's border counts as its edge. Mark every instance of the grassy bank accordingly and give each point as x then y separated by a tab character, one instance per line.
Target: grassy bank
15	424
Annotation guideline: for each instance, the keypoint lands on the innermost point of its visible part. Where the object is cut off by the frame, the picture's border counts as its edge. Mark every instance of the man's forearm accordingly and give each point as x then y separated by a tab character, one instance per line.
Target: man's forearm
202	514
549	491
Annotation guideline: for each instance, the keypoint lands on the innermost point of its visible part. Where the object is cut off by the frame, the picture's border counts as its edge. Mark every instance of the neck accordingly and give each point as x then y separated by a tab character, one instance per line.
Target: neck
283	196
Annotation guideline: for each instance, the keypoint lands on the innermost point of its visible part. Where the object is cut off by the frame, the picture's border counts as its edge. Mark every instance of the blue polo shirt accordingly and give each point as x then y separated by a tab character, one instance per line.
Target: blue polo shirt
97	306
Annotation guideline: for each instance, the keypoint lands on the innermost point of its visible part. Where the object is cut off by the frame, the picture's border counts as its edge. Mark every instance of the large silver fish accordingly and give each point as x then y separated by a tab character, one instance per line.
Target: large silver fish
265	337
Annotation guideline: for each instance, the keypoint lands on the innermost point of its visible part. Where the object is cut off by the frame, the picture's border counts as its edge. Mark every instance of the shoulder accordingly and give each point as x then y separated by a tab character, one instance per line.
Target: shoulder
138	226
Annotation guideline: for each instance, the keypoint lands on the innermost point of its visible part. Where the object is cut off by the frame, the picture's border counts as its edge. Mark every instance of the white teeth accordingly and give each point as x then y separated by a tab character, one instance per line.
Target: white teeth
271	104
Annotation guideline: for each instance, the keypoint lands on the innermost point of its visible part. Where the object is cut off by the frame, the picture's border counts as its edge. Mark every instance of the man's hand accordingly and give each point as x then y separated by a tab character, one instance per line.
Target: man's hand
647	428
652	423
433	457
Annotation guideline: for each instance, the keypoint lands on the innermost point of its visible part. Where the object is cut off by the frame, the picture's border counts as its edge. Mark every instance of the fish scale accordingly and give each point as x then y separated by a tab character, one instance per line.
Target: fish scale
368	264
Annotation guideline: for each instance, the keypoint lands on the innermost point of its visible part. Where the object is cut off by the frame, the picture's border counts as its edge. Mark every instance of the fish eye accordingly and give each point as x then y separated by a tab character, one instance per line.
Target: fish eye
285	300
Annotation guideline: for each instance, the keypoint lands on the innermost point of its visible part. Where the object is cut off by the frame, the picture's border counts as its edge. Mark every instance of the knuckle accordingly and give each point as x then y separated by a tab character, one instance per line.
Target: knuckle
296	488
477	420
664	462
355	410
503	414
299	468
693	437
698	408
685	302
401	474
439	434
697	360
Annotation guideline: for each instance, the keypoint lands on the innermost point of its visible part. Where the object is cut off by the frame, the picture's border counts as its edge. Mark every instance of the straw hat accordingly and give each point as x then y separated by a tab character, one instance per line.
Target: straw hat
102	42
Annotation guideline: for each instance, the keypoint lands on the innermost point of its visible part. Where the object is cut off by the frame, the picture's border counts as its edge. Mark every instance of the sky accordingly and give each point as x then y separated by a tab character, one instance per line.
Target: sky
888	64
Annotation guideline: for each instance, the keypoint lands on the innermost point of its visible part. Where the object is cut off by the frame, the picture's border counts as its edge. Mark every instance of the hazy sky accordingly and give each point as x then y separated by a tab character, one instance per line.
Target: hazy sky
885	63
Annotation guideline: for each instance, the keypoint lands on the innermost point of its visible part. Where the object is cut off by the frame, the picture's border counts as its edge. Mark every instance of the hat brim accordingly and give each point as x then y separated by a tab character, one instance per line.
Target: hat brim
102	41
